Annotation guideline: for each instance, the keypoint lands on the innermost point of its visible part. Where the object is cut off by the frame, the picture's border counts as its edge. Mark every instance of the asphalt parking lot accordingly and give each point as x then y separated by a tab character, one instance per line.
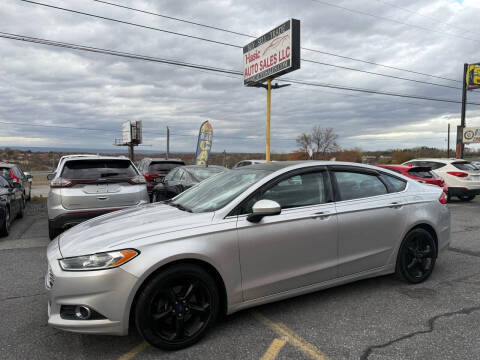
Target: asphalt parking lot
380	318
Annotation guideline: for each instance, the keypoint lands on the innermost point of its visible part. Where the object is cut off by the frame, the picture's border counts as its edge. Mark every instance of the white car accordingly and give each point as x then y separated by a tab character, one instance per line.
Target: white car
461	177
249	162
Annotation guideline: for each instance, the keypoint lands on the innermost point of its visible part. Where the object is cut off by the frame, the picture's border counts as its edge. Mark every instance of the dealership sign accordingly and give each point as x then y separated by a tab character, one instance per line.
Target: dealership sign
473	76
204	144
273	54
471	135
126	132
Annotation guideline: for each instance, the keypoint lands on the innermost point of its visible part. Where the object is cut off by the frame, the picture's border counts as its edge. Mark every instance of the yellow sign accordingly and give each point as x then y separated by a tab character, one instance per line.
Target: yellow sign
473	76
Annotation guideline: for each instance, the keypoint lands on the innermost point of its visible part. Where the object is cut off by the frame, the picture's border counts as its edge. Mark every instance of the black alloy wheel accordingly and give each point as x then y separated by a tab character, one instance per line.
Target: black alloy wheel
5	227
417	256
177	307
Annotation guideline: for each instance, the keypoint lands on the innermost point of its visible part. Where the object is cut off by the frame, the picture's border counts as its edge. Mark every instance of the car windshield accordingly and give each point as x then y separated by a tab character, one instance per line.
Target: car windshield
156	167
97	169
217	191
203	173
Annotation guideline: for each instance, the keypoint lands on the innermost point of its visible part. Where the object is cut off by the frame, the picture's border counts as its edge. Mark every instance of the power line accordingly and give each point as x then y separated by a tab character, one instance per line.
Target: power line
392	20
131	24
232	45
209	68
379	74
422	15
252	36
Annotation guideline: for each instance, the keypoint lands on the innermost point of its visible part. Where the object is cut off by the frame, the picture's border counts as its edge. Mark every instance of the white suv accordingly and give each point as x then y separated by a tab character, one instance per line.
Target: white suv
83	187
461	177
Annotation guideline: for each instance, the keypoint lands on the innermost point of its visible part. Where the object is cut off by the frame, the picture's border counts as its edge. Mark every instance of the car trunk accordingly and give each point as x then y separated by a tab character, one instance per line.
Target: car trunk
426	174
467	167
99	184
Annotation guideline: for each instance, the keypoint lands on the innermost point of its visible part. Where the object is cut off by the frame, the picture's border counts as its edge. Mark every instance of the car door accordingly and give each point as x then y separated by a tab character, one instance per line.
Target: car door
296	248
371	216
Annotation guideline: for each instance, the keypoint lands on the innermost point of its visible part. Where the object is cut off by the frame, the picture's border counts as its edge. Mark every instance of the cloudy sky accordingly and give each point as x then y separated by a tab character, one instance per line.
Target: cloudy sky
42	87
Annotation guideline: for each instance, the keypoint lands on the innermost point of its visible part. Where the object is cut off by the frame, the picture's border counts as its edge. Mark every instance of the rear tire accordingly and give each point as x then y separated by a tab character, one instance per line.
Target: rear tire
416	257
5	226
53	232
22	209
466	197
177	307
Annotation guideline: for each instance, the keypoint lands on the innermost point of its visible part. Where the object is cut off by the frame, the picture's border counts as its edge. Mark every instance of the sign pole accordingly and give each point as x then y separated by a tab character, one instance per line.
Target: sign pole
267	127
460	145
448	141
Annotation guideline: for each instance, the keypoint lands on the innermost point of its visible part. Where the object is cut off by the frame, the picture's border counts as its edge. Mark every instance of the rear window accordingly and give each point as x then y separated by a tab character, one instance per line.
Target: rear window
98	169
422	173
464	165
204	173
162	166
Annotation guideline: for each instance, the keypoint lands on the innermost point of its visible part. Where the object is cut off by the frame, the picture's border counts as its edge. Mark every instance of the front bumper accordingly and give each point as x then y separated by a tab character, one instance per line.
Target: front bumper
108	292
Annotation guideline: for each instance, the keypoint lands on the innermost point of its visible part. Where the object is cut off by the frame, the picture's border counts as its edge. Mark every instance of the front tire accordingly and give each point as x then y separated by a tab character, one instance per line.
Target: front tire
177	307
53	232
417	256
466	197
5	227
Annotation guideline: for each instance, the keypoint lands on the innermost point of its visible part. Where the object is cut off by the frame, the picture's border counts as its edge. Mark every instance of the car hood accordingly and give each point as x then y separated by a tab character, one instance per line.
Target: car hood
120	229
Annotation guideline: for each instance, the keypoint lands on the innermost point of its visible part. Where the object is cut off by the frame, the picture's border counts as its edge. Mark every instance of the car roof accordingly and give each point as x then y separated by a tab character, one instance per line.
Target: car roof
164	160
202	167
97	157
397	166
448	160
278	165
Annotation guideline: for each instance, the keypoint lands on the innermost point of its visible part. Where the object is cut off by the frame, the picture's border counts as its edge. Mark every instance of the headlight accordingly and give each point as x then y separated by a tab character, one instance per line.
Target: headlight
98	261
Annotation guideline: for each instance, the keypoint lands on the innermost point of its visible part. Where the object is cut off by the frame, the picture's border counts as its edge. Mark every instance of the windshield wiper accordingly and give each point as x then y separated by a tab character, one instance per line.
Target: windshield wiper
178	206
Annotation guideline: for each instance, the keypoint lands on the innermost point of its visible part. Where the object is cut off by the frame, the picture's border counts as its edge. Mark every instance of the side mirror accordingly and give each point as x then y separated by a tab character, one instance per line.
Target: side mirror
50	176
264	208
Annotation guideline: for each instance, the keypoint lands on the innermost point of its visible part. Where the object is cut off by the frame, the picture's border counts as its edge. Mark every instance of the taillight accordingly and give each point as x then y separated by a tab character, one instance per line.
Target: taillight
150	177
60	183
443	198
139	179
457	173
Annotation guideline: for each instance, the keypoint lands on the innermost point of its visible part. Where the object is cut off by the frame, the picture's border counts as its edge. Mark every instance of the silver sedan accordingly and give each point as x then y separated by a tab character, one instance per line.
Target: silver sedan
245	237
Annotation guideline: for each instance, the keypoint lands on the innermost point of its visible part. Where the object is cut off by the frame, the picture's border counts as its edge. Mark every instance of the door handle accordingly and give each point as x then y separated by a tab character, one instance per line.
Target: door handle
395	205
102	198
320	215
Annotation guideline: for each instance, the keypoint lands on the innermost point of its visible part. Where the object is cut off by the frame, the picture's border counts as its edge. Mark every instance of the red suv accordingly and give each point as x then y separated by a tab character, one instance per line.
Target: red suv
419	173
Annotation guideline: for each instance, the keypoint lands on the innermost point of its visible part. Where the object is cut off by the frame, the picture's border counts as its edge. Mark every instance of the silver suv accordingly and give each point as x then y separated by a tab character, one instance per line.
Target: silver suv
84	187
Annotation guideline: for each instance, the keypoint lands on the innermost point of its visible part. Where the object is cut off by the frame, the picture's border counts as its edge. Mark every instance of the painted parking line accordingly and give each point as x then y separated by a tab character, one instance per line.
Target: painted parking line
274	349
134	352
293	339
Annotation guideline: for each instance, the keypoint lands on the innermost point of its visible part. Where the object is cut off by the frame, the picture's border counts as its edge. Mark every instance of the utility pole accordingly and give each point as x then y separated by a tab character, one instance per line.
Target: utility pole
448	141
168	142
460	145
131	153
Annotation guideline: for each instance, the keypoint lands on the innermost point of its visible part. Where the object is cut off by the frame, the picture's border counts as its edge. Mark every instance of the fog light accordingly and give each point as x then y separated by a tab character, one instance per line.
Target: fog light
83	312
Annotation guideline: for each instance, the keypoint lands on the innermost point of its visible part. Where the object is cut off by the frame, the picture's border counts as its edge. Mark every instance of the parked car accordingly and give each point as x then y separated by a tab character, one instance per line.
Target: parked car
476	164
249	162
156	169
421	174
182	178
12	204
460	176
13	173
244	237
85	187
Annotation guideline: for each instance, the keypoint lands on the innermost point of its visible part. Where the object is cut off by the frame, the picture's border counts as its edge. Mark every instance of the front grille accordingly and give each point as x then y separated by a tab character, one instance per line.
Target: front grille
49	278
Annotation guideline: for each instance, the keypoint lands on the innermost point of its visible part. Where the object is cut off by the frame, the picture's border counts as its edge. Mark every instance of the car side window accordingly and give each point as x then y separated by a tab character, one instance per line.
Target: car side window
296	191
171	174
356	185
178	175
395	184
435	165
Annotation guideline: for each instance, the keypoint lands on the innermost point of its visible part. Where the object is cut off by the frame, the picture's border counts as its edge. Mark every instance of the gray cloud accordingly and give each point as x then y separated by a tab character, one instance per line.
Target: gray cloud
45	85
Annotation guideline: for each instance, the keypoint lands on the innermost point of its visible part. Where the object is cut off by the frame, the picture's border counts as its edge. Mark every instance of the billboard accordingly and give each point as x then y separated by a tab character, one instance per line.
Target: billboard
137	133
473	76
273	54
471	135
126	132
204	143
